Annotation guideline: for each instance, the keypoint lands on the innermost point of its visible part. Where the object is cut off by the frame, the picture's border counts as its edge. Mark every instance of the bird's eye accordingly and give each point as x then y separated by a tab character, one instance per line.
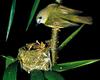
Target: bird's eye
40	17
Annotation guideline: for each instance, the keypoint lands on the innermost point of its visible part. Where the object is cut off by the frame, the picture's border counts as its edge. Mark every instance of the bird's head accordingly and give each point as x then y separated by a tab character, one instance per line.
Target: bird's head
42	16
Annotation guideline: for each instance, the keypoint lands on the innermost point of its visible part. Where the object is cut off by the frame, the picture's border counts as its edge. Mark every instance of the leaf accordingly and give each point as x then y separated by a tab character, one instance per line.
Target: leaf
12	12
50	75
68	39
10	72
34	8
71	65
36	75
9	60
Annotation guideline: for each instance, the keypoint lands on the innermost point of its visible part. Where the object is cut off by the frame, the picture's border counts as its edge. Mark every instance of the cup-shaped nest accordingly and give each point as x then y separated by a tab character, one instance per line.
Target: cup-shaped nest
34	56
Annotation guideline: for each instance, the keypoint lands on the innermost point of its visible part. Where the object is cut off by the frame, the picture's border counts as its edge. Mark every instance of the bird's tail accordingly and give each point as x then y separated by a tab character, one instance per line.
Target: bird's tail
79	19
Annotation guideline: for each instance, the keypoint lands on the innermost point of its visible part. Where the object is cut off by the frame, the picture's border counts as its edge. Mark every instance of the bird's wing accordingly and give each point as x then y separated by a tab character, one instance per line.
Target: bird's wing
70	14
77	19
66	10
62	9
57	22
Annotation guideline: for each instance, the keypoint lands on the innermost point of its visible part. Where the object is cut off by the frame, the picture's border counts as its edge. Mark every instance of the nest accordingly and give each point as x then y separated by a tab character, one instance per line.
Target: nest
35	56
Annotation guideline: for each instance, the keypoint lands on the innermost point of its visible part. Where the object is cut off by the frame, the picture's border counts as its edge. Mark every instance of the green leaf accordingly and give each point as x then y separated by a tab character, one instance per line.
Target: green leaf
12	12
68	39
50	75
9	60
71	65
10	72
36	75
34	8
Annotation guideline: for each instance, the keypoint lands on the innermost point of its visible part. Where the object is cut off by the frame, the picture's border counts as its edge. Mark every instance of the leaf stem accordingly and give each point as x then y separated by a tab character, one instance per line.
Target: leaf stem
54	39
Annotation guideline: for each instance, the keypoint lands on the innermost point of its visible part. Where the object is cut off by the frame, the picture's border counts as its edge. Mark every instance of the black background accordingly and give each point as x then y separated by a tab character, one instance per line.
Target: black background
84	46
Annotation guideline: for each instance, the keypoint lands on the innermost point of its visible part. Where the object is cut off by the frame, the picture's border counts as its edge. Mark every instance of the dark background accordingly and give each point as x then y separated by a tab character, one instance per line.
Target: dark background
84	46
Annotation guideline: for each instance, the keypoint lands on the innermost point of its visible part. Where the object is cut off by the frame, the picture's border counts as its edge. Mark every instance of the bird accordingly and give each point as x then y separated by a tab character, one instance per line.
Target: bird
58	16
